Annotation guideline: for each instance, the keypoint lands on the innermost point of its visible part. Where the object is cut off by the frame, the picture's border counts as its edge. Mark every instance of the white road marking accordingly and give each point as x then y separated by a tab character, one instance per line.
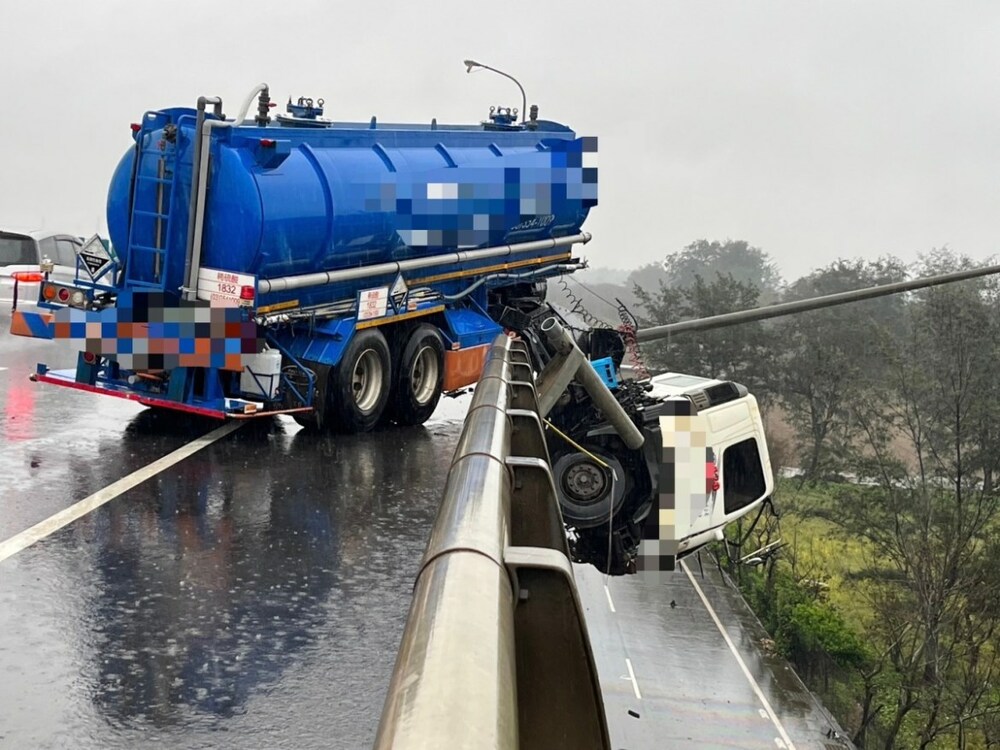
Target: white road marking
788	744
763	714
631	676
607	592
2	369
50	525
781	745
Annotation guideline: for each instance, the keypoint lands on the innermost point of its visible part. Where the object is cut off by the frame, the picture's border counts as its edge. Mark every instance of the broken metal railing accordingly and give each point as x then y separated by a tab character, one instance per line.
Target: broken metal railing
495	653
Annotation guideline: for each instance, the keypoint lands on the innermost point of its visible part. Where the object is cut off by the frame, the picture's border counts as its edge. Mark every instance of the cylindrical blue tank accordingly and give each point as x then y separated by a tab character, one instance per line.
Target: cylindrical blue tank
287	200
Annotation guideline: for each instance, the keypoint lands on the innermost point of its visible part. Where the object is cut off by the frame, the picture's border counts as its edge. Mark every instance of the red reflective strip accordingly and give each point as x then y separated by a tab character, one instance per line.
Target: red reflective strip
147	401
27	277
254	415
144	400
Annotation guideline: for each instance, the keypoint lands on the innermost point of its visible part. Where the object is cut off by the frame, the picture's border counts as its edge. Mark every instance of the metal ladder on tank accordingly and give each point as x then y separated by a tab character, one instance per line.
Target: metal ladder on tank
153	193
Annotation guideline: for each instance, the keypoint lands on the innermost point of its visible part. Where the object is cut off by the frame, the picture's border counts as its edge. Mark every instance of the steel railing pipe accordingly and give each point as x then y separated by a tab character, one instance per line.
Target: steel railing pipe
781	309
454	684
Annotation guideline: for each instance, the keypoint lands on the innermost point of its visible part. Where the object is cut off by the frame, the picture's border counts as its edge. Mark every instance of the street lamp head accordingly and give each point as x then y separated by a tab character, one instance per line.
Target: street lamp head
470	64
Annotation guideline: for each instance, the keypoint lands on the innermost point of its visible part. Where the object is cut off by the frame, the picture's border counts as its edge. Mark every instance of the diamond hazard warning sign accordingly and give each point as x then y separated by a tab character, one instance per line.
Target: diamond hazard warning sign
95	257
398	293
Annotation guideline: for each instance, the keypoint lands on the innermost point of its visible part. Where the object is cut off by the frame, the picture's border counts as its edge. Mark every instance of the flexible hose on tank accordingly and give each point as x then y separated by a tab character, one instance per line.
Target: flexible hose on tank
506	276
261	88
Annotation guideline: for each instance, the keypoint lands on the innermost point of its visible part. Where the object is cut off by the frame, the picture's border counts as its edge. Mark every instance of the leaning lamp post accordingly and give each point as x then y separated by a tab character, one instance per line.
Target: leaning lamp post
470	64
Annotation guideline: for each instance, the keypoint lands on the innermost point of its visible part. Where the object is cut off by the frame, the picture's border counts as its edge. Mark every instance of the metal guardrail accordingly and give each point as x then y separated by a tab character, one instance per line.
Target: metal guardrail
495	653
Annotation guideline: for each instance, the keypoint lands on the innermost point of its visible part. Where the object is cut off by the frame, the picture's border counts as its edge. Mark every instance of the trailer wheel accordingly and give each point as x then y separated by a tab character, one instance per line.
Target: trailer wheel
418	378
359	386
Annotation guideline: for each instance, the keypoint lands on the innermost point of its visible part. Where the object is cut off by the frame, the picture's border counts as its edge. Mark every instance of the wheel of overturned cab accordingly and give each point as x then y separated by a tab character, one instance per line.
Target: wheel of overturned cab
418	377
358	390
589	491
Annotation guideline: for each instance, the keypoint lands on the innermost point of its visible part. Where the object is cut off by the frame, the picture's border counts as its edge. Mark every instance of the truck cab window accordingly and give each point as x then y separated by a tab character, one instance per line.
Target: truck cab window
742	475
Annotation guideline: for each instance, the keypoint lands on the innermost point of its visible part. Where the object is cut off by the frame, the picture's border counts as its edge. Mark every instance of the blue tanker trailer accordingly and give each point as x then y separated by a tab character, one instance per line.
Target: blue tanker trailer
342	273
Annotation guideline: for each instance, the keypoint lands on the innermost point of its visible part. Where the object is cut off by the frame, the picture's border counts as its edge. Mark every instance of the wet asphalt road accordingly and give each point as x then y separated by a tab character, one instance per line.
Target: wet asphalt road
254	594
687	689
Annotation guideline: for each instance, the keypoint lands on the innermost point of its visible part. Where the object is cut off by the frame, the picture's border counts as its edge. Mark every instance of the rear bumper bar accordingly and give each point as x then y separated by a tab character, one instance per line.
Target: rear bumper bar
66	379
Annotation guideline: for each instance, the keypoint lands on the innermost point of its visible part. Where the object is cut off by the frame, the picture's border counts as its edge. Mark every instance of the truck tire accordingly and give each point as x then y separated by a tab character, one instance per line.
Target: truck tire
587	492
358	389
418	378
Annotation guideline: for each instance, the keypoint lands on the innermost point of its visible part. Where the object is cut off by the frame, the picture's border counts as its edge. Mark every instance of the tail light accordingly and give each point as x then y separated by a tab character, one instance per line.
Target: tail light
68	295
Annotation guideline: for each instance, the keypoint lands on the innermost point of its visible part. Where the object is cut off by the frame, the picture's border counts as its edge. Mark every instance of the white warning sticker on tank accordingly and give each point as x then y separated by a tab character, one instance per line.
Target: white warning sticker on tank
224	288
373	303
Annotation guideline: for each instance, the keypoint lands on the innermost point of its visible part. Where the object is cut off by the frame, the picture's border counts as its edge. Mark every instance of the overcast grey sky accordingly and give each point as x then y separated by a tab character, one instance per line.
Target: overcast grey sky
812	129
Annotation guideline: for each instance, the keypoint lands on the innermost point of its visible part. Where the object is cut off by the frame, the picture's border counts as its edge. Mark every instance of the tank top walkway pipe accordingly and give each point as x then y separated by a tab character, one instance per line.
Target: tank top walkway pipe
495	653
199	169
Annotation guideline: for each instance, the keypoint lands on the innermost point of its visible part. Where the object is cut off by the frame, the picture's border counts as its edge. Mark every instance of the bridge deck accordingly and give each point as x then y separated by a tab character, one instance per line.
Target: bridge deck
670	679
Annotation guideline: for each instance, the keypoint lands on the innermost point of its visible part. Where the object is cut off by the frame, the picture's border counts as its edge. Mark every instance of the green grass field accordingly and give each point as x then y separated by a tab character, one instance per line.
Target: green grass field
818	550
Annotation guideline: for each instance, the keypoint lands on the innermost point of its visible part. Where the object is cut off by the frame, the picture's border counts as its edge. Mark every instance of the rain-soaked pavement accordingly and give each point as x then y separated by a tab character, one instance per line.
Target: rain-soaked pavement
254	594
670	679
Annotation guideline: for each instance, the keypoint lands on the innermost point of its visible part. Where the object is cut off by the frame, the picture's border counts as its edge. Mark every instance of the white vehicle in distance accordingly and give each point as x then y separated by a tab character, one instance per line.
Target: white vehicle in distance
20	256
